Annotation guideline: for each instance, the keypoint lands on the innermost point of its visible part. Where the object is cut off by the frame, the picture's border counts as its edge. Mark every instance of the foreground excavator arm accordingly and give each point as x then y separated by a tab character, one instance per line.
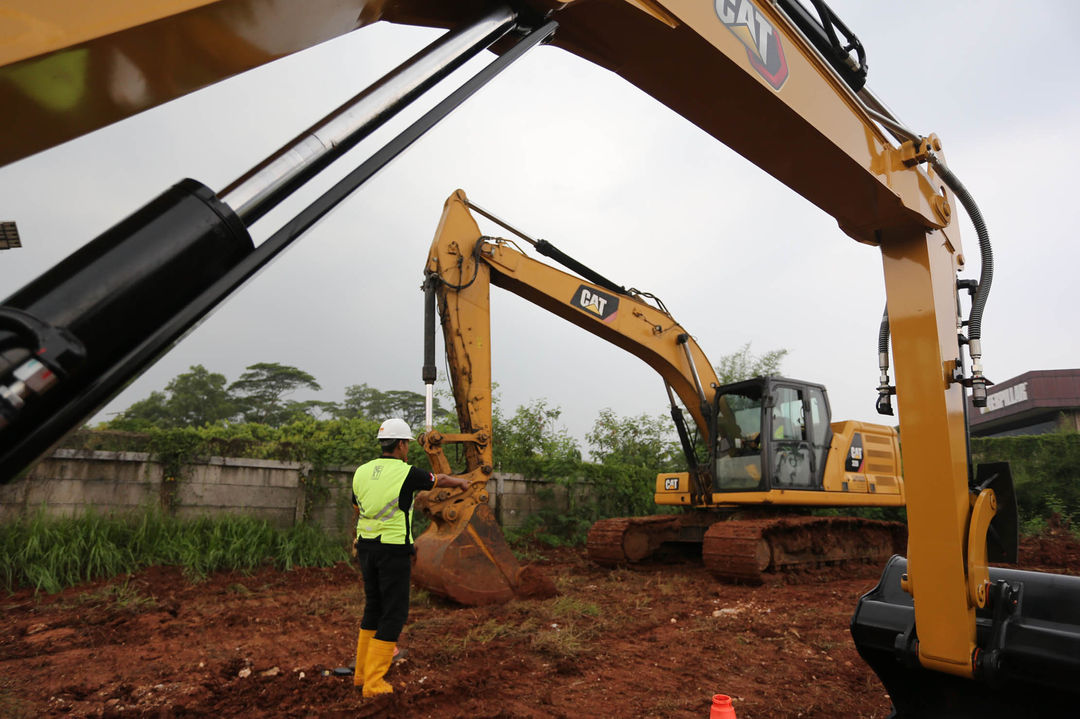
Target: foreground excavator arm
783	90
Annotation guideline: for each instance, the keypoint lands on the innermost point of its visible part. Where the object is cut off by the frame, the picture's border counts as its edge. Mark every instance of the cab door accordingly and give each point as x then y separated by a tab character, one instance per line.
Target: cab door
796	441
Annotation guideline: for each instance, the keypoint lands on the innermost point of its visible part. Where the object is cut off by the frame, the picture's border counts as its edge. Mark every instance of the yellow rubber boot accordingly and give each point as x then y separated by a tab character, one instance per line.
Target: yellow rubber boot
361	655
379	656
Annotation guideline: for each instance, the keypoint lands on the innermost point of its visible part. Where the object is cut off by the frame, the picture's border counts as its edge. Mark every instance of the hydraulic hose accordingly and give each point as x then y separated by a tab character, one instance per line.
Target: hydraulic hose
884	401
986	277
883	339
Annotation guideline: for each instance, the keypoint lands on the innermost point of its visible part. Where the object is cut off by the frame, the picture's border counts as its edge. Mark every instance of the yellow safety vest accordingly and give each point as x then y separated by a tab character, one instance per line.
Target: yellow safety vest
377	486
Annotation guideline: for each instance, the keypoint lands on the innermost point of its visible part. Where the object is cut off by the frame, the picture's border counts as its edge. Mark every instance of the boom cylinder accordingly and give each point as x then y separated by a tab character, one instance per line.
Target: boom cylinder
430	373
102	301
73	338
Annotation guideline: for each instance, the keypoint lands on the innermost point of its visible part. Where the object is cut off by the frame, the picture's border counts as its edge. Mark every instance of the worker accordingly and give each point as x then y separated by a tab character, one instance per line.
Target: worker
383	495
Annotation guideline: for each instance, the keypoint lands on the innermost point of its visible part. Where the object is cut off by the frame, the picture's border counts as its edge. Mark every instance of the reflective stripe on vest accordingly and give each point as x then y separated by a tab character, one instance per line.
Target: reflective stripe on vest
377	486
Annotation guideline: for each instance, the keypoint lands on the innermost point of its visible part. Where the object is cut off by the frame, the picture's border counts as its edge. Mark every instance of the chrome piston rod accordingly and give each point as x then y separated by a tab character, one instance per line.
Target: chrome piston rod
266	185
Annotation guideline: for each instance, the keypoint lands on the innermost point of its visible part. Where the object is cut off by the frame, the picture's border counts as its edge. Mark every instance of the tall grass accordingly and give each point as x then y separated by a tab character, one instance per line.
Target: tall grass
49	554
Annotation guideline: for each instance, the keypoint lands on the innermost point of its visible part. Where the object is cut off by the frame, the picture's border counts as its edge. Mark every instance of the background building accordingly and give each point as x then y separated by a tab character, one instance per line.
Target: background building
1036	402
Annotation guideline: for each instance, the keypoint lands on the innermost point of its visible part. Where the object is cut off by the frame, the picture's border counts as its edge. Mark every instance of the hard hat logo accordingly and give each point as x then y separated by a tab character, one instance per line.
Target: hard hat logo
762	42
395	428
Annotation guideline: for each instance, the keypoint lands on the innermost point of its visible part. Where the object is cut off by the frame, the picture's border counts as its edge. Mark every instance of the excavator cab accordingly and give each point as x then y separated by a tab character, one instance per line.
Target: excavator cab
771	432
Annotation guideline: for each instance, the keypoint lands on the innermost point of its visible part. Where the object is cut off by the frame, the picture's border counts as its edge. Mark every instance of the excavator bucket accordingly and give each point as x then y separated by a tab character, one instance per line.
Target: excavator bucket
466	559
1028	664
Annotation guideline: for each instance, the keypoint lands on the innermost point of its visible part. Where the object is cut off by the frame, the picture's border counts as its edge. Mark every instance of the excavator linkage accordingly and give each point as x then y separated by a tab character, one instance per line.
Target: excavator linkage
466	559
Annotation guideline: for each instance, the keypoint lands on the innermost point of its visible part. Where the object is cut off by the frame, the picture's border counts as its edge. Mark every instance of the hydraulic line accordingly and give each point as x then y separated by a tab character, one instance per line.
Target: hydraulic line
986	277
885	390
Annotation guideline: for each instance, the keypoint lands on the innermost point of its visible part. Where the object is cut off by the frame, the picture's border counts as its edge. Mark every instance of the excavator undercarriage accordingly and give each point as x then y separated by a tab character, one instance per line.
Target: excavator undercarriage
747	546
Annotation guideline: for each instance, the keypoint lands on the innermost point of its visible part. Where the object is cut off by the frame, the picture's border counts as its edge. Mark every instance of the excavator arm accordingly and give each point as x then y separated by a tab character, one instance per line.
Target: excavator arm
463	264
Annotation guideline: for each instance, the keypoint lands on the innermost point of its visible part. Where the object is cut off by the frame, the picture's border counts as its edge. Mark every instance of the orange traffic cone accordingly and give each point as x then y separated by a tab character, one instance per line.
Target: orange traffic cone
721	707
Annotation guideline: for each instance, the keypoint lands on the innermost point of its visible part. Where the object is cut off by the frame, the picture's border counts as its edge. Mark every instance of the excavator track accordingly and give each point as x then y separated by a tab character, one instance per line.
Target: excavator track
749	550
625	540
752	550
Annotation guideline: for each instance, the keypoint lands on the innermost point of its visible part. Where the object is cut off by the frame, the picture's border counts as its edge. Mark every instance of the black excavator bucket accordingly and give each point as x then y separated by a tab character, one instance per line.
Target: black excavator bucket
1028	664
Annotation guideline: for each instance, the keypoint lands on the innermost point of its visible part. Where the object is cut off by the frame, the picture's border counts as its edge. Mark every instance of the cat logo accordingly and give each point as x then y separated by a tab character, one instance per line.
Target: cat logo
762	42
595	302
671	484
854	462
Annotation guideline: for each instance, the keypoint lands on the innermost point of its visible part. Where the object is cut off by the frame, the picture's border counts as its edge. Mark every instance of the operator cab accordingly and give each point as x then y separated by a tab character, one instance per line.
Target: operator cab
771	433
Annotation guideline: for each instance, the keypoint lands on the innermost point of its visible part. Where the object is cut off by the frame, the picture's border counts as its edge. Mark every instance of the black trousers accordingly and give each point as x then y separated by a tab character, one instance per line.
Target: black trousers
386	590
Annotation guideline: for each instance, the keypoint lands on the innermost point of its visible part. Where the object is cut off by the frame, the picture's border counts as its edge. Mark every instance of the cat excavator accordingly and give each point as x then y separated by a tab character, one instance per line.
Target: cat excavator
762	447
780	82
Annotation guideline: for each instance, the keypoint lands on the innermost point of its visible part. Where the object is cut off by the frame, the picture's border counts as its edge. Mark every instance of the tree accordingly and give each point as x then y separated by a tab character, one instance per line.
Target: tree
366	402
743	364
260	393
533	442
146	413
191	399
199	397
634	441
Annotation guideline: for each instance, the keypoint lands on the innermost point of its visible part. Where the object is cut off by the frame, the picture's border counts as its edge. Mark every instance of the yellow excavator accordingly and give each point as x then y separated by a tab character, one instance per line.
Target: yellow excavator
763	446
780	82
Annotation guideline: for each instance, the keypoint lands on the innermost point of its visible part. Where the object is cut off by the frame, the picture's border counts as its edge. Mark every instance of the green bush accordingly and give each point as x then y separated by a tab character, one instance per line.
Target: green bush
1045	470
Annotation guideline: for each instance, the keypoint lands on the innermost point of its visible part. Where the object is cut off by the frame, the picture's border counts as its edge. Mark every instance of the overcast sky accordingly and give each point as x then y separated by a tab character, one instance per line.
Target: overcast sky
571	153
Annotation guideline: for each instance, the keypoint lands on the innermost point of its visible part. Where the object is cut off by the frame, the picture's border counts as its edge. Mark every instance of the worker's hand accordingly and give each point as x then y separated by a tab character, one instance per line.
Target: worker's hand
445	480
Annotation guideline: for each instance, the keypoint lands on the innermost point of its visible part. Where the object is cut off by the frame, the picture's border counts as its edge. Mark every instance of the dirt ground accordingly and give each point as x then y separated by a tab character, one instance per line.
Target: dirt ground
647	642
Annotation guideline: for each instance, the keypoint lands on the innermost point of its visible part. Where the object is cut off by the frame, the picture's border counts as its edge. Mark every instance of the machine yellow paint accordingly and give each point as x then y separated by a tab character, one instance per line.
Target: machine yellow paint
884	487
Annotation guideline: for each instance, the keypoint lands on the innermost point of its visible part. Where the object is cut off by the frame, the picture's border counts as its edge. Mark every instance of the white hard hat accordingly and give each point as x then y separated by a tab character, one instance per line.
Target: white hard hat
394	428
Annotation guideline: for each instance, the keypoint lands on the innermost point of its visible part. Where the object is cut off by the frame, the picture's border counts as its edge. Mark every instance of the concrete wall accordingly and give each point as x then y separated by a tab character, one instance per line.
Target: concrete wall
515	497
71	481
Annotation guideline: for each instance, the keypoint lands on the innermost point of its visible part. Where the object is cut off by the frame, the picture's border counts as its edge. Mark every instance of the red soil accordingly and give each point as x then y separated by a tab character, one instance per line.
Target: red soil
651	642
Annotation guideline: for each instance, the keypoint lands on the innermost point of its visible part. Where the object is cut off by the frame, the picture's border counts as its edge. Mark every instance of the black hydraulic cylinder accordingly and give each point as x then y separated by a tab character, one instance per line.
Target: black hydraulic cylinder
822	33
148	281
549	250
112	294
429	372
